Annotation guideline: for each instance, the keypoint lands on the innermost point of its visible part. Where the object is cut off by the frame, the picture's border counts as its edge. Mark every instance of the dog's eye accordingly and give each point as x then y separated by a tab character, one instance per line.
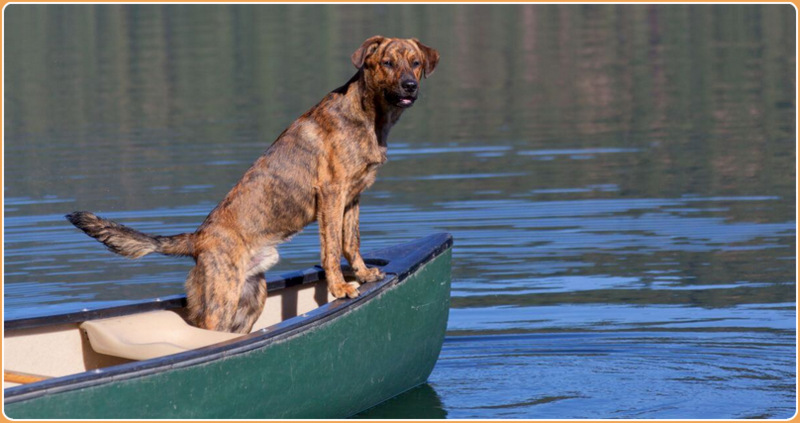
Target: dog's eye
415	63
388	63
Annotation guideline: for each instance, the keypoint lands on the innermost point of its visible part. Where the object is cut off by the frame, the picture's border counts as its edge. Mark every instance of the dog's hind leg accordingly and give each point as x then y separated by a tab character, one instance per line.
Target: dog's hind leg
214	289
195	293
253	293
221	295
252	297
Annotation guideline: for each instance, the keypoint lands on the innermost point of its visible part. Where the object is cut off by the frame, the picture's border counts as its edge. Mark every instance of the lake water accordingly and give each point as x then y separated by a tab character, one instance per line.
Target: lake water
620	182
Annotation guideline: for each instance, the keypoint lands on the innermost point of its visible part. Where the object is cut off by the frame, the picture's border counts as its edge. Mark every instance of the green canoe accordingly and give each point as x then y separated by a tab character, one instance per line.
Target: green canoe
309	356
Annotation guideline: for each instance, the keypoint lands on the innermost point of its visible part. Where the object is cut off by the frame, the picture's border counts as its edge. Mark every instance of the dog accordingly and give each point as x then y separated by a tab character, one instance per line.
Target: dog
315	170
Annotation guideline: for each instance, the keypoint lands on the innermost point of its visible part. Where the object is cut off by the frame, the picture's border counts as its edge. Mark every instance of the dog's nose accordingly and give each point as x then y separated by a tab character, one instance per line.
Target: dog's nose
409	85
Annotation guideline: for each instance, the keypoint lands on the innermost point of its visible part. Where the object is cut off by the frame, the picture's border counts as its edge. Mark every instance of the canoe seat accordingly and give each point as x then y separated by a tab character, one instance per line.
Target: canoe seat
148	335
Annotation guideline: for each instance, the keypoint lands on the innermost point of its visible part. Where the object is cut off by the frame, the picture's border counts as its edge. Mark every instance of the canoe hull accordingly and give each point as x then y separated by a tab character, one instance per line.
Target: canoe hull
340	366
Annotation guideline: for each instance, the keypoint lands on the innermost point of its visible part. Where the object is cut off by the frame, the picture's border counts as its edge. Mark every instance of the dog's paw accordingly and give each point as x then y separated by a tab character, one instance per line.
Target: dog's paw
370	274
344	289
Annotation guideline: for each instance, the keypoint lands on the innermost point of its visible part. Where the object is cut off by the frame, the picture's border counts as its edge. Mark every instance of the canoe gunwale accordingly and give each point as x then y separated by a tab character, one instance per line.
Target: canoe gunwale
397	262
171	302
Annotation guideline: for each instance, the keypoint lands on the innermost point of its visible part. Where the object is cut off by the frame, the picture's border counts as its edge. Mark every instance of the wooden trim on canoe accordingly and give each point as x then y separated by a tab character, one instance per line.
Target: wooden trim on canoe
22	378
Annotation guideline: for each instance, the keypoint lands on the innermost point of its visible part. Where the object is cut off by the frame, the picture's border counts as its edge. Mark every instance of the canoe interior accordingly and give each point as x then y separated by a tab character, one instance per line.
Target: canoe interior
64	349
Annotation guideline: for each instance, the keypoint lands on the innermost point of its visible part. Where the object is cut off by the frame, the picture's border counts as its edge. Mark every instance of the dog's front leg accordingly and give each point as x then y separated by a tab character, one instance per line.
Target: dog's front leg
351	245
330	212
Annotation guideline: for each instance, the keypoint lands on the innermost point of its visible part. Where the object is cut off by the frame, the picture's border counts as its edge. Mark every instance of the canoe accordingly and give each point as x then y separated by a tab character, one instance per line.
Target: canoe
309	355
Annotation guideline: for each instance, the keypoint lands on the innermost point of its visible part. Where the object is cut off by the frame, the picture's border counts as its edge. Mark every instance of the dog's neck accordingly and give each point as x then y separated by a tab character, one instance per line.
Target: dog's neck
378	112
385	117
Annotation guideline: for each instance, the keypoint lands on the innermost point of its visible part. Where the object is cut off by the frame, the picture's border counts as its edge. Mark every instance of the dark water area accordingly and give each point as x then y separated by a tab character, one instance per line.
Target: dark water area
619	179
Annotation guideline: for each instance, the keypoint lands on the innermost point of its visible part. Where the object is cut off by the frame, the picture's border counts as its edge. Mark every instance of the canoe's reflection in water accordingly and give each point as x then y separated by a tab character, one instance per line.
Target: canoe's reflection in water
421	402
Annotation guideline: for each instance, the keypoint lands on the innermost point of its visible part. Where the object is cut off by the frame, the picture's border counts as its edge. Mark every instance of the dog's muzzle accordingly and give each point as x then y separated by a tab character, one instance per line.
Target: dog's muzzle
406	95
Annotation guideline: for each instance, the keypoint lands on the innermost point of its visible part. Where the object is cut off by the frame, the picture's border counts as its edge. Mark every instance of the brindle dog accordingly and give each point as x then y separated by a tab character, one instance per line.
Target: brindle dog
315	170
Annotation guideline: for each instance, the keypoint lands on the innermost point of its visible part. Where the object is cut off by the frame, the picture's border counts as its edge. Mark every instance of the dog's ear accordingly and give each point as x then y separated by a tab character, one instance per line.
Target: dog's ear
431	57
369	47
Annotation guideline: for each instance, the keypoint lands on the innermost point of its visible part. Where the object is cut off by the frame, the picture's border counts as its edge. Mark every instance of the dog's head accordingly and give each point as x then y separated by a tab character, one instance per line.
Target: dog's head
395	66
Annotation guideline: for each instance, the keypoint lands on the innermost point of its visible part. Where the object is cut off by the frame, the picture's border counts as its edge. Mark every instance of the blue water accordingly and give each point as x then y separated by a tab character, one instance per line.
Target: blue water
619	181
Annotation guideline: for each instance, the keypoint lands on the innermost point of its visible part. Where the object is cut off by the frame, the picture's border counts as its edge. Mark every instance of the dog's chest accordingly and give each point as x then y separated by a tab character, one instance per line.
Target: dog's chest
365	176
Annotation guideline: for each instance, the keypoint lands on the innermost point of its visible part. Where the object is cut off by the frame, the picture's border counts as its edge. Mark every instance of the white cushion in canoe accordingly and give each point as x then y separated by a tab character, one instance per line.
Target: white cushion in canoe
148	335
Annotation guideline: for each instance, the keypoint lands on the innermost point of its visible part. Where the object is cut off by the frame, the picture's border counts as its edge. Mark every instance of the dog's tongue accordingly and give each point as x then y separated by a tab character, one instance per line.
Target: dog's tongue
405	101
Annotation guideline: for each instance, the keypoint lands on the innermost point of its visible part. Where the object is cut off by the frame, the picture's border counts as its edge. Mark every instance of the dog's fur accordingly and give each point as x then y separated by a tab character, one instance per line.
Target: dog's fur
315	170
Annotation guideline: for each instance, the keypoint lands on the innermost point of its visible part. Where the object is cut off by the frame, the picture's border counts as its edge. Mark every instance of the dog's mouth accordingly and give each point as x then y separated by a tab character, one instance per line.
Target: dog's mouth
406	101
401	101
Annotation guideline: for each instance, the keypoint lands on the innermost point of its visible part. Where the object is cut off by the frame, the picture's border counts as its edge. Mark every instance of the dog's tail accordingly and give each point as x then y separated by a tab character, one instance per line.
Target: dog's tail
128	242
